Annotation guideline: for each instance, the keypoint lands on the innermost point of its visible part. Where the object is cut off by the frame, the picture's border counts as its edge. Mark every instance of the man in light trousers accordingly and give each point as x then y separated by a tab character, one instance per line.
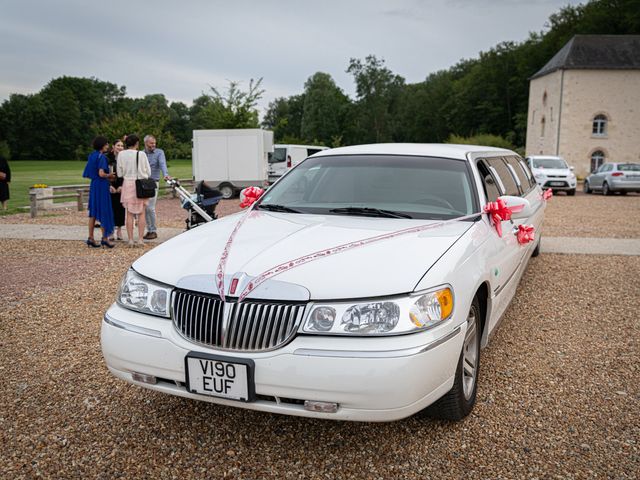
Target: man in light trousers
158	163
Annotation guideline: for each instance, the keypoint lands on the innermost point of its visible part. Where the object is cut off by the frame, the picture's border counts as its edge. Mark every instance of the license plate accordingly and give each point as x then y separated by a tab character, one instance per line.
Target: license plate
556	184
218	376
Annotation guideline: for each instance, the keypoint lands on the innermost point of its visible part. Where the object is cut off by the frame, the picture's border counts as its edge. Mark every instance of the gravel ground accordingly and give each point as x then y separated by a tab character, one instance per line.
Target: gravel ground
557	396
593	216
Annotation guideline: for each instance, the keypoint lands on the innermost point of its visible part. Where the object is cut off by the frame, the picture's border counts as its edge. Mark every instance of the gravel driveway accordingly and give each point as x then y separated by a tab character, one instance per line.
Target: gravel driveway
558	395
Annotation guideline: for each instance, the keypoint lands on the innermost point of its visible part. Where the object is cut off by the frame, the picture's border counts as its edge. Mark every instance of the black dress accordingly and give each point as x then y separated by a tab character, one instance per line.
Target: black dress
118	209
4	184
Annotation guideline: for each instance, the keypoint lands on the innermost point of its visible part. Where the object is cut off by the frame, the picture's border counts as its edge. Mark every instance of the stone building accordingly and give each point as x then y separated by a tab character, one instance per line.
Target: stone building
584	104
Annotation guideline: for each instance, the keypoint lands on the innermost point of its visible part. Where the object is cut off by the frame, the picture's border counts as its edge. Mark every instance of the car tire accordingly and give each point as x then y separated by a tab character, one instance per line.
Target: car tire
606	190
571	192
586	188
458	402
226	191
536	251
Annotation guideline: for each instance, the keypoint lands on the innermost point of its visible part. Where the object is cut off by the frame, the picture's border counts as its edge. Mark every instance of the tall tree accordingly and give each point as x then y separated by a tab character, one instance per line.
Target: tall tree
284	117
378	90
324	111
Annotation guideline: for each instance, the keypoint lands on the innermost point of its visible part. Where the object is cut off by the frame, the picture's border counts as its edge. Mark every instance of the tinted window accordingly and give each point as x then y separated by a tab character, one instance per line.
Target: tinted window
527	172
311	151
491	190
279	155
516	169
422	187
510	186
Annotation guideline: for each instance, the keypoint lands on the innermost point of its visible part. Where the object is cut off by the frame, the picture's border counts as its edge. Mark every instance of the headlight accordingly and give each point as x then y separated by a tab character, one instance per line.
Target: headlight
381	317
143	295
539	175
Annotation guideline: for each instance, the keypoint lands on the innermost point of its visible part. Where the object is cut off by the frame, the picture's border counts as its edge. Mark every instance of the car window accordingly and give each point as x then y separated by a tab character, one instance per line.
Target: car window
421	187
505	175
527	172
516	170
607	167
491	189
311	151
279	155
629	167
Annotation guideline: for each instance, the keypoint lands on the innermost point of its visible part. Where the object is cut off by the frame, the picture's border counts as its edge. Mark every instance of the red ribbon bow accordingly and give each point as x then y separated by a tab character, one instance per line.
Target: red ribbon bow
547	194
525	234
499	211
251	194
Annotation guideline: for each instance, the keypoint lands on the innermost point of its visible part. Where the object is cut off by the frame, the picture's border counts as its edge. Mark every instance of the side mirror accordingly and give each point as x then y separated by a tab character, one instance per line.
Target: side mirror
515	202
571	168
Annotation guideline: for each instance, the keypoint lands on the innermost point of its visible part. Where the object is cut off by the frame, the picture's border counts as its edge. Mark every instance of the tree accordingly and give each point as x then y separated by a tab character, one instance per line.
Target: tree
324	110
284	117
234	108
378	90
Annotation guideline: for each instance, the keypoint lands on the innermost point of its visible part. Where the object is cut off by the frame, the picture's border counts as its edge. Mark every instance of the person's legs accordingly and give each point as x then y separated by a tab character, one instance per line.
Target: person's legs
92	226
129	224
141	223
150	212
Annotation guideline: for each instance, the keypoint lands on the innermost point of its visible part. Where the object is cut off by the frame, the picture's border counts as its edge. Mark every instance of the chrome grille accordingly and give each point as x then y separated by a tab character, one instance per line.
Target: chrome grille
248	326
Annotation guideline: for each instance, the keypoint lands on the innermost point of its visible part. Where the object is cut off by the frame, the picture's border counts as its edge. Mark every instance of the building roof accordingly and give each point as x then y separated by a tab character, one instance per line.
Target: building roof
596	52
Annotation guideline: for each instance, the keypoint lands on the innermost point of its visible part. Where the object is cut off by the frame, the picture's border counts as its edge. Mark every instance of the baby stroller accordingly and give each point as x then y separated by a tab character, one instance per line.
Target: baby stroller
201	205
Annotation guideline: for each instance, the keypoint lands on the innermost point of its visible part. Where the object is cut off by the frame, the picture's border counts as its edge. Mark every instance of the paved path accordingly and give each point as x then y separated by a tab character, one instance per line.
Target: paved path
581	245
66	232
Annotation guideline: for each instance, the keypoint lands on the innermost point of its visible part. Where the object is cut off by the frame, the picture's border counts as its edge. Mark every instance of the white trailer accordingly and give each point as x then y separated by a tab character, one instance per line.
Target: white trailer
231	160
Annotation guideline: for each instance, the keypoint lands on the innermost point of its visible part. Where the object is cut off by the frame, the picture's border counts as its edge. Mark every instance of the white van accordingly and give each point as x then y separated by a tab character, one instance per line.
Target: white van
553	172
285	157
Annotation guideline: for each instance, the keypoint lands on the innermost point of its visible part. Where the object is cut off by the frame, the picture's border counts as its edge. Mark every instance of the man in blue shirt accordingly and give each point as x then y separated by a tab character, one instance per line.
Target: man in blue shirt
158	163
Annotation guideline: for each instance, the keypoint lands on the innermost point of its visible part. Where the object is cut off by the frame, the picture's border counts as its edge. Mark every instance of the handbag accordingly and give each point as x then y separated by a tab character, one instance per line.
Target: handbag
145	187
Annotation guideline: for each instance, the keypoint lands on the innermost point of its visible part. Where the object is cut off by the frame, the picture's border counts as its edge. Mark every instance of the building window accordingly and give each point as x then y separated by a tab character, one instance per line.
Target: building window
597	159
544	99
542	125
599	125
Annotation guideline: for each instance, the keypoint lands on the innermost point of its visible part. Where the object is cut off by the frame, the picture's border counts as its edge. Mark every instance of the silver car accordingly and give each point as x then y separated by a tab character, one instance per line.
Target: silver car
614	177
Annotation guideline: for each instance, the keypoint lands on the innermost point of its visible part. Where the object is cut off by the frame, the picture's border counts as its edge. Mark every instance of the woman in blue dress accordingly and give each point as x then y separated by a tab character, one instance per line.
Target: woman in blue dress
97	169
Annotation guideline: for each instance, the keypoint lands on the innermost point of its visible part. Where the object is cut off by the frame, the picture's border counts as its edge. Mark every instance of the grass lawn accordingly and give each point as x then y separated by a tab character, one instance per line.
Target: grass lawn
25	173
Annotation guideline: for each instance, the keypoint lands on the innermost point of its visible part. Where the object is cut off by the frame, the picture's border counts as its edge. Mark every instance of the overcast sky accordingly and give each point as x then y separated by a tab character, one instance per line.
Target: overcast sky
179	48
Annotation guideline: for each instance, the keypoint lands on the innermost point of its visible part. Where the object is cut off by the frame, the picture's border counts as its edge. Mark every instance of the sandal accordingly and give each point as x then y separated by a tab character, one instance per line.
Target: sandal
105	243
91	243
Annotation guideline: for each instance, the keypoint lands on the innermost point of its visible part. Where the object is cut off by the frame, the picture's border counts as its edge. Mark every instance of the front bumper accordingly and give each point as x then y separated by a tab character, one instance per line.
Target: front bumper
559	183
371	379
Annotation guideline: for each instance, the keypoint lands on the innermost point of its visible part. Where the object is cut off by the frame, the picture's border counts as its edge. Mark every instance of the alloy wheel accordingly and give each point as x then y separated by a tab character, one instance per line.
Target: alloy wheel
470	355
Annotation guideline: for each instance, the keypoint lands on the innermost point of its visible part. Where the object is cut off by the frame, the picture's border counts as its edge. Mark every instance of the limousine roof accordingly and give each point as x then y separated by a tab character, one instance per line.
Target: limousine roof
444	150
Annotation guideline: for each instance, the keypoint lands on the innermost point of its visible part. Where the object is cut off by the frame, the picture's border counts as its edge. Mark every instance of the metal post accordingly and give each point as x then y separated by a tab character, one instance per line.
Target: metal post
34	205
79	200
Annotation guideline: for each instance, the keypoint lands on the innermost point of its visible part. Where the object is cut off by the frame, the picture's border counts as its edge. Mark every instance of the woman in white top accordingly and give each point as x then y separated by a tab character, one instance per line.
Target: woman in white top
131	170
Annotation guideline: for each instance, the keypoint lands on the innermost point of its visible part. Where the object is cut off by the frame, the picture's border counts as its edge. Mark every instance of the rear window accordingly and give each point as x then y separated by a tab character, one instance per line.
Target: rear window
629	167
279	155
509	183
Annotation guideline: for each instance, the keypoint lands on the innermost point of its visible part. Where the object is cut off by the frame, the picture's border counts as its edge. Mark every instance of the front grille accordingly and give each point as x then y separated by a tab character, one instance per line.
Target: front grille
556	176
248	326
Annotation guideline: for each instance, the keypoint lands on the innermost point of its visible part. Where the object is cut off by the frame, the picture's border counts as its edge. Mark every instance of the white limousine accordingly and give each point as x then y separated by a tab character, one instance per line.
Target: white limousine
361	286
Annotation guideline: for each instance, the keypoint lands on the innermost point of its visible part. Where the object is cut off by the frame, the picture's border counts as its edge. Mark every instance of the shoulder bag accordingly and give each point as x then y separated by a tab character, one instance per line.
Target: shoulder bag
145	187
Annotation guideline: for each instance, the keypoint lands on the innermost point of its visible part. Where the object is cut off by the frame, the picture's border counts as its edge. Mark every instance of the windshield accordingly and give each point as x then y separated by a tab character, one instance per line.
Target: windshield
279	155
548	163
376	185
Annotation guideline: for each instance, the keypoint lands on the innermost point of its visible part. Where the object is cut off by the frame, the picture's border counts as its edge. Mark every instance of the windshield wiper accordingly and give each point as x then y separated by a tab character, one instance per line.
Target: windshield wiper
375	212
272	207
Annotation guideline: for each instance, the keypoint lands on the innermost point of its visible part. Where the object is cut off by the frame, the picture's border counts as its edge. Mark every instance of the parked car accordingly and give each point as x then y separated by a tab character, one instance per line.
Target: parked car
371	308
553	173
285	157
610	178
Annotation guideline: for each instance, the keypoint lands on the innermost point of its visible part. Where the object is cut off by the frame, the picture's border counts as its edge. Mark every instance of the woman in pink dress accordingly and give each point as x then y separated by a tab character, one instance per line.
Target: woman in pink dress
133	164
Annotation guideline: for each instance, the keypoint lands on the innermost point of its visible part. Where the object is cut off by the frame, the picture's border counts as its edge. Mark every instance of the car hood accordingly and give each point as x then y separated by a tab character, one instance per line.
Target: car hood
266	239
